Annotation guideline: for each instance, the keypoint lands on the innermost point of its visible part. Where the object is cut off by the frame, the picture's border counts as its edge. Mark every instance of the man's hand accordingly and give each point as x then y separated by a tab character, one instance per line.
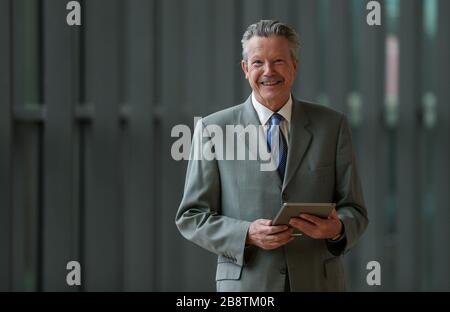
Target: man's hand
263	234
316	227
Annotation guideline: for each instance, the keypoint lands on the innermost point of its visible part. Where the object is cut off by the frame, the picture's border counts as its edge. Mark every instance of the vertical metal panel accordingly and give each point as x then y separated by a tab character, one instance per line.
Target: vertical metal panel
25	32
227	68
427	143
60	232
307	85
170	175
408	257
324	7
199	51
5	145
441	236
26	148
139	232
77	97
253	11
103	261
338	54
25	207
370	145
279	10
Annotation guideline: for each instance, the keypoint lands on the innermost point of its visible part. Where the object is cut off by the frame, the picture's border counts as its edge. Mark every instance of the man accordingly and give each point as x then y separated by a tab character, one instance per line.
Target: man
228	205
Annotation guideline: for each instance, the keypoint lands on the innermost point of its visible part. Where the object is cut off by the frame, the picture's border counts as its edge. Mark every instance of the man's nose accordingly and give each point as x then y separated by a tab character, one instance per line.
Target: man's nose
268	69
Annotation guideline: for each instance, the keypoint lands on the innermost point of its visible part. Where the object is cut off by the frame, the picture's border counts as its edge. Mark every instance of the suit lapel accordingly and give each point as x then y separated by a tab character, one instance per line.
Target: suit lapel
249	115
299	140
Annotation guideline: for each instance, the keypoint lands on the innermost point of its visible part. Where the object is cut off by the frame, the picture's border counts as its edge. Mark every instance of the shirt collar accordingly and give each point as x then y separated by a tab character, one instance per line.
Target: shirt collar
264	113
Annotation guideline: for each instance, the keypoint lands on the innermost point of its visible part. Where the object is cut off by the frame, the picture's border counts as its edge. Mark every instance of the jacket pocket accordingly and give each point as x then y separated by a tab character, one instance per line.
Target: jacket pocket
228	271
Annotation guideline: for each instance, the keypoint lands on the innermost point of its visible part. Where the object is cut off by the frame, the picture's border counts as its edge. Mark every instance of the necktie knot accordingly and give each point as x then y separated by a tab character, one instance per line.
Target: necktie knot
276	119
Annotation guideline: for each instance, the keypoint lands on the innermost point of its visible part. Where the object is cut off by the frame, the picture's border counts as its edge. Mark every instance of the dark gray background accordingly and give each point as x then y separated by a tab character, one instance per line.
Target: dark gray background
86	114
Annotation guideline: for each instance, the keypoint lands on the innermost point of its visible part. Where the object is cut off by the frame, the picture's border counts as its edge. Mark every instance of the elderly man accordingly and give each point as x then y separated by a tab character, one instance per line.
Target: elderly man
228	205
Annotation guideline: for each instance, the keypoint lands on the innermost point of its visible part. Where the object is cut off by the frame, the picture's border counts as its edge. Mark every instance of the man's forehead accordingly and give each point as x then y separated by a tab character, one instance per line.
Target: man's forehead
258	45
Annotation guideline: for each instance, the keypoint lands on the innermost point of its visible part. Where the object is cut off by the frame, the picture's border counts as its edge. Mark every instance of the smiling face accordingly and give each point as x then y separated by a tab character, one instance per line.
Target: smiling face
270	70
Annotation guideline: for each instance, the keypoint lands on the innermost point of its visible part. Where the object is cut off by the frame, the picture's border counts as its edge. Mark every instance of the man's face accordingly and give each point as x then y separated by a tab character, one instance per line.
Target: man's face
270	70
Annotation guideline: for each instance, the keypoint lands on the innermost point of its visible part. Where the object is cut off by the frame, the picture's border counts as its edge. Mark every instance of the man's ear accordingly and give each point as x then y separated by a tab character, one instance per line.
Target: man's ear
295	65
244	68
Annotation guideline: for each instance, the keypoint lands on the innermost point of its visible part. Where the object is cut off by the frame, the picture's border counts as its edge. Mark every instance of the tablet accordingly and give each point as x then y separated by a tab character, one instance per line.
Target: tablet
289	210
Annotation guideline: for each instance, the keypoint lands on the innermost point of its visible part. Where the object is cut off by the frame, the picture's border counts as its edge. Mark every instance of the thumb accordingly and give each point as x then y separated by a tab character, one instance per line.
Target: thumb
333	214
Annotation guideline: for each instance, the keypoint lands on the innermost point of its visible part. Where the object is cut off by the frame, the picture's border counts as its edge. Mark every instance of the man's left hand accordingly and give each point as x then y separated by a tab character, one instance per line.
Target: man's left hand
316	227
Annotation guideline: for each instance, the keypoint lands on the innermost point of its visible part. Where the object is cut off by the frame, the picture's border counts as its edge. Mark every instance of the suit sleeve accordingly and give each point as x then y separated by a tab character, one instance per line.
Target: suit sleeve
349	199
199	216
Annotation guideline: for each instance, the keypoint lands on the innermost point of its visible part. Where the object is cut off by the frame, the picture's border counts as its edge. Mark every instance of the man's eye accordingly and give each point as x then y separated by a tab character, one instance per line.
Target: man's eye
279	62
257	63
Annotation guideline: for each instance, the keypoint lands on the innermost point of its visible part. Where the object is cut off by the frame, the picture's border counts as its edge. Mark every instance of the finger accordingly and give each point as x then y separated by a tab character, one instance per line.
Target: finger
311	218
277	229
272	242
304	226
289	238
263	226
280	241
295	221
284	235
281	237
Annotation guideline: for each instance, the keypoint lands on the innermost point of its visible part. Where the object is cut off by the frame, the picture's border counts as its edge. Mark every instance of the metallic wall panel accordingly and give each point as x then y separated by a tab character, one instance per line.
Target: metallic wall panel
5	145
338	54
409	194
26	148
140	232
441	236
370	142
227	56
61	230
307	83
174	43
103	215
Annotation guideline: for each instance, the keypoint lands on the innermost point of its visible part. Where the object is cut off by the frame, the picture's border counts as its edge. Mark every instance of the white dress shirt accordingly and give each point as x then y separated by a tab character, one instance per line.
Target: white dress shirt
264	115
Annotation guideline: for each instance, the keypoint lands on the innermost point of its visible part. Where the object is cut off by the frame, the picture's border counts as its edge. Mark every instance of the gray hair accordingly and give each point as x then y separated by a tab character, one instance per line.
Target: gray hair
267	28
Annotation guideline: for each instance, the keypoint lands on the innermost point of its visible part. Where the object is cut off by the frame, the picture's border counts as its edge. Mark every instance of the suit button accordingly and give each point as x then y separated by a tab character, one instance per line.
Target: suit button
285	197
283	271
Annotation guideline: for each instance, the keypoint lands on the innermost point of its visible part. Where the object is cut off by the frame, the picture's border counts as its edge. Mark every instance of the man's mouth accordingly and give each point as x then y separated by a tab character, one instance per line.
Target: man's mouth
271	83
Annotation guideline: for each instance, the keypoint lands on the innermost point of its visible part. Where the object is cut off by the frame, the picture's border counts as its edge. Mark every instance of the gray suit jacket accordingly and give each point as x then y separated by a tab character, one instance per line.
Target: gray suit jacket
222	197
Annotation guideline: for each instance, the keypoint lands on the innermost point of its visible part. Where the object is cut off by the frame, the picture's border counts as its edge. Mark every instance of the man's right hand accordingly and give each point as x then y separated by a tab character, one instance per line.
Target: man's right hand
263	234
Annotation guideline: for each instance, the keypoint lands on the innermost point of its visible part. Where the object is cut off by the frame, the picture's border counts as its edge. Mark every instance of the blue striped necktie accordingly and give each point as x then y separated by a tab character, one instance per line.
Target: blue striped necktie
274	130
